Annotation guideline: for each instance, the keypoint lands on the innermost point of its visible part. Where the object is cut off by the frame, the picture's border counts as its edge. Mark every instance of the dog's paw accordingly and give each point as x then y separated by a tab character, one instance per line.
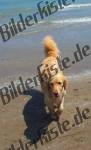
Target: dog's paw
47	110
55	116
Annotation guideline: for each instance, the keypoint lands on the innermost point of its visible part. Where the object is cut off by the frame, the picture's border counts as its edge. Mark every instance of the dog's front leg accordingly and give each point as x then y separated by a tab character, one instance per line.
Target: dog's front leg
46	105
61	108
47	109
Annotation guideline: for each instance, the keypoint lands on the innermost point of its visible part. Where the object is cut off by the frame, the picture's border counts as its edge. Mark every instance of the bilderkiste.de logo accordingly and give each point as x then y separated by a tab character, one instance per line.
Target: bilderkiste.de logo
43	10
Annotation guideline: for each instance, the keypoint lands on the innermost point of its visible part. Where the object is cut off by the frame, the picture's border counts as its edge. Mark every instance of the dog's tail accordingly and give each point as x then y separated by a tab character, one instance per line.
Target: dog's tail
50	47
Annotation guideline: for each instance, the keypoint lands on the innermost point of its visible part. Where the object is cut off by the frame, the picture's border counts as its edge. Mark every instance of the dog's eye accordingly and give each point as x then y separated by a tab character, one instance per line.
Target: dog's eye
59	83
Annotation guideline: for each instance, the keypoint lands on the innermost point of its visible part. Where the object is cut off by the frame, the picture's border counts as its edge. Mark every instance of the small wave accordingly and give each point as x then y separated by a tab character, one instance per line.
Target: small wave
71	20
54	22
82	75
79	5
75	6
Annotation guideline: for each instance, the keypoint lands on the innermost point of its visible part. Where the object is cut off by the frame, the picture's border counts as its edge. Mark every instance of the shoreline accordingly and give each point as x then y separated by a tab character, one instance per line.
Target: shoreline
14	89
71	77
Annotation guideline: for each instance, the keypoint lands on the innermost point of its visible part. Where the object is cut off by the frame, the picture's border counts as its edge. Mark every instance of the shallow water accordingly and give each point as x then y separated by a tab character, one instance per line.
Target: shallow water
69	26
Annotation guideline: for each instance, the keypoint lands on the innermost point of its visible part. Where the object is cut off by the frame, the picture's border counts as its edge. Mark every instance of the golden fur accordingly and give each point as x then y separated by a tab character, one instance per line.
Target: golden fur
54	86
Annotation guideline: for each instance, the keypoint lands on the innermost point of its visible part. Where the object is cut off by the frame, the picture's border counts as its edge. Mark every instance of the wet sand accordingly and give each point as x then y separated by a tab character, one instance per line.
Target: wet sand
25	115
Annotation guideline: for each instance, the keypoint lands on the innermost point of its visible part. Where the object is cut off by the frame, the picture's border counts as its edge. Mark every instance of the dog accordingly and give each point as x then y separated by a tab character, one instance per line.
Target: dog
52	80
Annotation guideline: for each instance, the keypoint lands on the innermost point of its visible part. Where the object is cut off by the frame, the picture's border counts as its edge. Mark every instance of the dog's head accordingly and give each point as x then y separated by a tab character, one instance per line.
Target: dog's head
57	88
57	85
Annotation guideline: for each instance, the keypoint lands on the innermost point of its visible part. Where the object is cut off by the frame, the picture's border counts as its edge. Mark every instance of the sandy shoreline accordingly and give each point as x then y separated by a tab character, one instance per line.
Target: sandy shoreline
13	125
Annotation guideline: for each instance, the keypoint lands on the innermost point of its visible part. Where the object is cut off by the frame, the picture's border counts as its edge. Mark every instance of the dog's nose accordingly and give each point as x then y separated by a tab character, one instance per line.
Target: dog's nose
56	94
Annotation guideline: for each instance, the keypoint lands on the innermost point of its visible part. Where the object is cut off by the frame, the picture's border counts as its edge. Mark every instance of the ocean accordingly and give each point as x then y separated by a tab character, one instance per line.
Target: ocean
21	55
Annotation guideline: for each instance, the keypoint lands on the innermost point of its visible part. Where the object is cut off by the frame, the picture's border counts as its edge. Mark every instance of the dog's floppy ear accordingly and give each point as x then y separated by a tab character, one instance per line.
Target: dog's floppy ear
65	83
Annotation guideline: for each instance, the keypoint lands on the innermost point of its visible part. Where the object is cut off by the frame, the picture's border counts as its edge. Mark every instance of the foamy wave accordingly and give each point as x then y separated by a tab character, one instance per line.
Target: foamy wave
75	6
72	20
79	5
82	75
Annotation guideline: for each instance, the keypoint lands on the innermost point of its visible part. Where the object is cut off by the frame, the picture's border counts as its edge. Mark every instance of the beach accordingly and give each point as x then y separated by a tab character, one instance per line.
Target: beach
14	119
24	115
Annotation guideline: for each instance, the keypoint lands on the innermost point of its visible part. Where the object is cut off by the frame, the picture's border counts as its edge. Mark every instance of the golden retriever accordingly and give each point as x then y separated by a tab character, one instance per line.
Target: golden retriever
52	80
